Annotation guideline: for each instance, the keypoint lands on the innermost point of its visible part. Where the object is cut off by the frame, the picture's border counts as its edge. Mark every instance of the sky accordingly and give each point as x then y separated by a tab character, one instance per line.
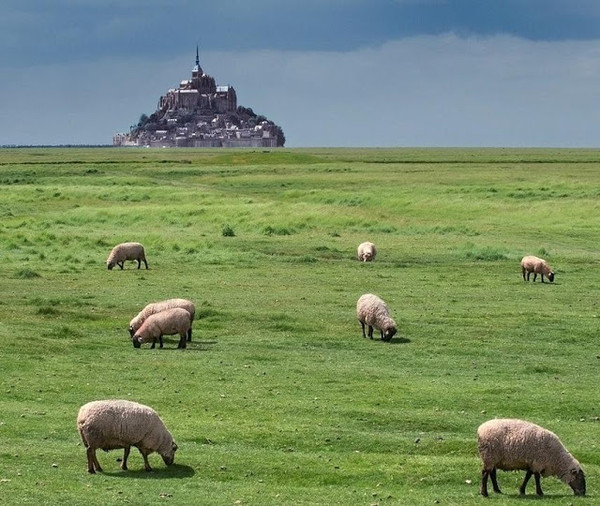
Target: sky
348	73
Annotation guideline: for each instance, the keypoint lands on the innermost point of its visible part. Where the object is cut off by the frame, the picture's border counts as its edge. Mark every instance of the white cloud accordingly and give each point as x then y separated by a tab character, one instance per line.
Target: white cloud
422	91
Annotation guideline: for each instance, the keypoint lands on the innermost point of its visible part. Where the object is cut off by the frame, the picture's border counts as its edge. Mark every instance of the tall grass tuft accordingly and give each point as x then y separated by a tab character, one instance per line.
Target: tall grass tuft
26	274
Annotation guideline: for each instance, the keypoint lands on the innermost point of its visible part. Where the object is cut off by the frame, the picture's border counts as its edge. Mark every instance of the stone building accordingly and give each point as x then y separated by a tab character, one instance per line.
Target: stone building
200	113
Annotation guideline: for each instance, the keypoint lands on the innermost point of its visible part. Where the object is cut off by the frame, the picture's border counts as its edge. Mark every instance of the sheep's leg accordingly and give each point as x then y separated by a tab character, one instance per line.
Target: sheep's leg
90	460
538	485
145	263
153	344
370	332
182	341
93	464
534	276
96	463
523	272
484	478
121	264
528	274
362	324
525	481
495	481
125	457
139	263
189	335
542	277
382	335
146	463
160	341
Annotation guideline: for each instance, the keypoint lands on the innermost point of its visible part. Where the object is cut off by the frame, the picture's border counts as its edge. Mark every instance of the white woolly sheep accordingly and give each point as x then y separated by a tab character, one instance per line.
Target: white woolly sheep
372	311
168	322
157	307
366	252
510	445
536	265
113	424
126	251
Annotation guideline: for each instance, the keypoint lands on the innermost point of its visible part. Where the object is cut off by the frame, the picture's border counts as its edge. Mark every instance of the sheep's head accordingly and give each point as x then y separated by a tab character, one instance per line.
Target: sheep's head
577	481
169	457
110	265
137	341
551	276
367	257
131	331
389	332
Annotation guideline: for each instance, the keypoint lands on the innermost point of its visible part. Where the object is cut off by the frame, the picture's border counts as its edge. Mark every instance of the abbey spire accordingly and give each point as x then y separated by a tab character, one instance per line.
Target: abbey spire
197	70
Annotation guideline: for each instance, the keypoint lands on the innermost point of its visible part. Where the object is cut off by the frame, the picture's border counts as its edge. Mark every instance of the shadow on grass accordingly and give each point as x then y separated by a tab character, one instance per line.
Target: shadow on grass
535	497
395	340
532	496
189	347
174	471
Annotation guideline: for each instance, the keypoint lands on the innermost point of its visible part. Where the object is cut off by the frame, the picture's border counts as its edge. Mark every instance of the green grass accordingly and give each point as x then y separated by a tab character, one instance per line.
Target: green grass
279	400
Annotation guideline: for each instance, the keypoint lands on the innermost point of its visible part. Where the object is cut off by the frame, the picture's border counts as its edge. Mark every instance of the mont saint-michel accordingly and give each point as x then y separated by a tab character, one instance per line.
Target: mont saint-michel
199	113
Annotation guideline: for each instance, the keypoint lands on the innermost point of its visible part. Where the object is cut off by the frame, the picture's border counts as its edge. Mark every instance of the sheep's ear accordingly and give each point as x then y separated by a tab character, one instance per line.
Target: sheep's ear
175	447
139	339
574	471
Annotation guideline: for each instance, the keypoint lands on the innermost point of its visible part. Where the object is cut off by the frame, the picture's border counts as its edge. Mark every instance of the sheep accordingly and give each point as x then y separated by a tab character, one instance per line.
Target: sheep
157	307
511	444
126	251
366	252
112	424
536	265
373	311
168	322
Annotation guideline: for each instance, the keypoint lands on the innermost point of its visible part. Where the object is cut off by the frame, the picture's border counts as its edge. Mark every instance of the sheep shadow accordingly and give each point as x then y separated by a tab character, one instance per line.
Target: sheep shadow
536	283
400	340
194	346
174	471
532	496
535	497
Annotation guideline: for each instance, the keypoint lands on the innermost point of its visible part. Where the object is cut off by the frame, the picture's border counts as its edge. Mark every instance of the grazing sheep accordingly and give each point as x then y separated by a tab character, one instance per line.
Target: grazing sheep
126	251
536	265
157	307
511	445
372	311
367	252
168	322
113	424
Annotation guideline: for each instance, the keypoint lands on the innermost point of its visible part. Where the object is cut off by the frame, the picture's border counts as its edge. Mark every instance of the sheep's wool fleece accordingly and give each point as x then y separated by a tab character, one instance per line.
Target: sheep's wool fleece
114	424
535	264
127	251
366	247
511	444
157	307
372	310
170	321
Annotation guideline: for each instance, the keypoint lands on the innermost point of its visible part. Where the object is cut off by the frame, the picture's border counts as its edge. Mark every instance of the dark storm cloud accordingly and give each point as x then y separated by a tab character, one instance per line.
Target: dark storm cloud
40	31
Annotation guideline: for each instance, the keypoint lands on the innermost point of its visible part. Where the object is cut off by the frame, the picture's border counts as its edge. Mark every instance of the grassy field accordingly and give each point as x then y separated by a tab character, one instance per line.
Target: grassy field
279	400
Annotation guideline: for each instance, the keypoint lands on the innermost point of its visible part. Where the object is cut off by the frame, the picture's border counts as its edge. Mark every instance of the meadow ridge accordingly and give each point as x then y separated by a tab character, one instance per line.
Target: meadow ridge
278	399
